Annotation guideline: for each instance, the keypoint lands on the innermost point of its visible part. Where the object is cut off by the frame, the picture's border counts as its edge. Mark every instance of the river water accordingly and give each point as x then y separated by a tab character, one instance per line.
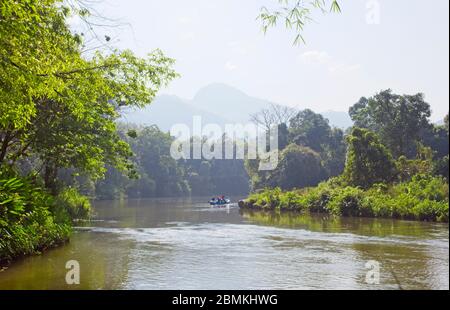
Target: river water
186	244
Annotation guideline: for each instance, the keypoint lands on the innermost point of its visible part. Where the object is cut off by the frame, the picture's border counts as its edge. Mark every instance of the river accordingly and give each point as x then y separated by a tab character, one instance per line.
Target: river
186	244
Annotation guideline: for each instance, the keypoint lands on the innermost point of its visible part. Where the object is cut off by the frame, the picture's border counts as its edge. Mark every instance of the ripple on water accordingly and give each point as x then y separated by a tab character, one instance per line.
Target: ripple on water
192	256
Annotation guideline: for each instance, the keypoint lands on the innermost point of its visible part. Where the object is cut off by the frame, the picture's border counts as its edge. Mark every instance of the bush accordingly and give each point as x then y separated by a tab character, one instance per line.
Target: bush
77	206
292	201
298	167
27	224
317	199
348	202
368	160
423	198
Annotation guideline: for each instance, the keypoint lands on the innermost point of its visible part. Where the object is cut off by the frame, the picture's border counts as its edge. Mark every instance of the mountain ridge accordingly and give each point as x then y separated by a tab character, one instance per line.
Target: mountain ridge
216	103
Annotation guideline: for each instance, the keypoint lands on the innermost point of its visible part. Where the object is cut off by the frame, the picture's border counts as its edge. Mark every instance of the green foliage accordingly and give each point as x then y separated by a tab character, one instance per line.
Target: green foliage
345	202
334	152
311	151
58	113
398	120
267	199
283	136
35	44
27	223
368	161
310	129
440	167
385	124
159	175
60	107
295	14
313	130
422	198
298	167
423	164
436	137
153	160
76	205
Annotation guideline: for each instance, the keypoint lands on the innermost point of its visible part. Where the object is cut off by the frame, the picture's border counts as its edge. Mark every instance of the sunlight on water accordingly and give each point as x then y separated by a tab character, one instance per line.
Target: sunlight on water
185	244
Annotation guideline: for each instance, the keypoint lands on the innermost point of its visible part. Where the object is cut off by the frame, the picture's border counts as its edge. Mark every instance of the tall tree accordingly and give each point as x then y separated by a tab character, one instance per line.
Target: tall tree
368	161
310	129
299	167
272	116
398	120
334	152
56	104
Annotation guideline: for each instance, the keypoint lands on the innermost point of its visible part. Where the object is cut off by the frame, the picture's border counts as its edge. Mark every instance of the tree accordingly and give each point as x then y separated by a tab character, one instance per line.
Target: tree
334	152
299	167
152	149
283	136
441	167
272	116
398	120
313	130
36	49
310	129
436	137
368	161
60	107
275	115
422	164
295	14
160	175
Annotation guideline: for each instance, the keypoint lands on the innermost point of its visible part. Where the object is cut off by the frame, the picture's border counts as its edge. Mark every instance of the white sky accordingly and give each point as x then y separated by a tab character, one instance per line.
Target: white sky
344	58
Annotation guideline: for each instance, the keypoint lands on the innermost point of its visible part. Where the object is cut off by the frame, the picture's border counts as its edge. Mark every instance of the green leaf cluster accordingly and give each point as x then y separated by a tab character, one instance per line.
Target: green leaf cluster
423	198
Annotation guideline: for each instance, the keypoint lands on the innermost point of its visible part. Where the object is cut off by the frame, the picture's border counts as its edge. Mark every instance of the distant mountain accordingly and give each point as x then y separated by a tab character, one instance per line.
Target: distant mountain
166	111
216	103
227	101
338	119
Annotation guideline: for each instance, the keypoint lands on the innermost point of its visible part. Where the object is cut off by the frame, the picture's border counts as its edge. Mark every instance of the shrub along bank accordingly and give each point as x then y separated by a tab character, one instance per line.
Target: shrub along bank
32	220
423	198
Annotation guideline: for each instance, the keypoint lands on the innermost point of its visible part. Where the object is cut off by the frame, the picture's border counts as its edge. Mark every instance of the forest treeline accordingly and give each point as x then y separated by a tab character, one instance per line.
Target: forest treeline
157	174
392	163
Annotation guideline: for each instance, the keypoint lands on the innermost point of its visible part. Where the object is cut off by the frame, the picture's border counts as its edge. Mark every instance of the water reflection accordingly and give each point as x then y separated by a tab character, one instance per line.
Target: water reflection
186	244
361	226
104	265
412	254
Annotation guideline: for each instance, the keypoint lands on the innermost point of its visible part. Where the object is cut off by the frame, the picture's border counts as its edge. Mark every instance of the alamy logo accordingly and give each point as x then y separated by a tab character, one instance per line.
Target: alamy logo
373	275
73	275
235	141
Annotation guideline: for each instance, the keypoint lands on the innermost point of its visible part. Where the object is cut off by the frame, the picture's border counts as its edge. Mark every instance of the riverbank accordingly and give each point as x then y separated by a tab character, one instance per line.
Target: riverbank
424	198
32	220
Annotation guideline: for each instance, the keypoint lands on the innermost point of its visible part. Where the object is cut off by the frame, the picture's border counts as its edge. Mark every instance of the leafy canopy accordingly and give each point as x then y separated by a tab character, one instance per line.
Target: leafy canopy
368	161
399	120
57	105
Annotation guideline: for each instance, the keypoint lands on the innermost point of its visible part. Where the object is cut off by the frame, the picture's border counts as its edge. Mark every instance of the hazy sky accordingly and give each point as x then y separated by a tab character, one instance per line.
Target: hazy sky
344	58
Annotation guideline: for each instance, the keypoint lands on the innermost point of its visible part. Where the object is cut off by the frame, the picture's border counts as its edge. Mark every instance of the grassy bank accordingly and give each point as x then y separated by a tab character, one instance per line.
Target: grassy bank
424	198
32	220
